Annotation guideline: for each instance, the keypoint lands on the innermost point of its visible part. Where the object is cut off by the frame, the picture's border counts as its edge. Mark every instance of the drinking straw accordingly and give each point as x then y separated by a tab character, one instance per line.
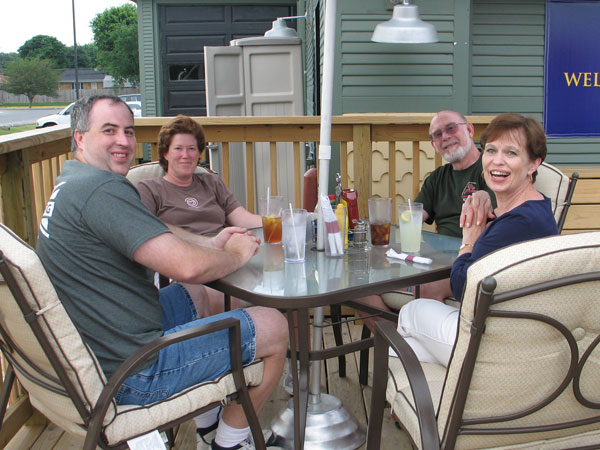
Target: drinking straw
410	209
267	214
294	231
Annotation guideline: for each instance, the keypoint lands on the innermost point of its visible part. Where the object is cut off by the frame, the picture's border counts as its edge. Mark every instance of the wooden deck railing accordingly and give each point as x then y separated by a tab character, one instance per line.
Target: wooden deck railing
30	161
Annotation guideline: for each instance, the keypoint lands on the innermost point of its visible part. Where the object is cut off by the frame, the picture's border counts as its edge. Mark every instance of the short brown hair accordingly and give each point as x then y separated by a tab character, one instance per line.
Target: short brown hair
535	138
179	125
80	114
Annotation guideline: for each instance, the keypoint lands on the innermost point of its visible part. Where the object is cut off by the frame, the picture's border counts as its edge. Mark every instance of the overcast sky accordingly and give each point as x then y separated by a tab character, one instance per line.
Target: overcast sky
20	20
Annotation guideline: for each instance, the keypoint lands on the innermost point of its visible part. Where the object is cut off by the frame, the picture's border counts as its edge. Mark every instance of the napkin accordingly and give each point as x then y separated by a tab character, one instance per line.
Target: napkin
391	253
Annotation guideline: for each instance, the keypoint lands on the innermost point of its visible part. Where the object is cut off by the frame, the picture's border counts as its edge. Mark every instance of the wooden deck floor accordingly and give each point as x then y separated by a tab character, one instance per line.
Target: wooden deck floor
37	434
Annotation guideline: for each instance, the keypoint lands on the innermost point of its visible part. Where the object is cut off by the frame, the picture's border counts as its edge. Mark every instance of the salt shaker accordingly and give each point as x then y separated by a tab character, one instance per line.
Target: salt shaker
360	234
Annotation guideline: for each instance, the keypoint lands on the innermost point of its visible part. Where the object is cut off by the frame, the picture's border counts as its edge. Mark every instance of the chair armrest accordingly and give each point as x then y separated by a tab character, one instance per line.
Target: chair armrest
130	364
386	336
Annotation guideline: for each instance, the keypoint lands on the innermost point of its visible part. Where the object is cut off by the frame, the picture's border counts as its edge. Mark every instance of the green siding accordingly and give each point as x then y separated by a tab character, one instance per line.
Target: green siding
149	73
377	77
506	34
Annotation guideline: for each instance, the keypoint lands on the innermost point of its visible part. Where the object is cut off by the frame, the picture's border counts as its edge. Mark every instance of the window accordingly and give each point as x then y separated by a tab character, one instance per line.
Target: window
183	72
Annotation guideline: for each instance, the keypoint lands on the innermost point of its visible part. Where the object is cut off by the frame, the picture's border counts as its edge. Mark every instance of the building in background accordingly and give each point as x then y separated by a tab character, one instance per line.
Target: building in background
88	79
489	60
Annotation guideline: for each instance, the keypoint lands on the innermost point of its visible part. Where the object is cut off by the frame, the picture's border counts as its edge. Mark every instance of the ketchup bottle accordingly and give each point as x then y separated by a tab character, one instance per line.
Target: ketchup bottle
310	190
350	197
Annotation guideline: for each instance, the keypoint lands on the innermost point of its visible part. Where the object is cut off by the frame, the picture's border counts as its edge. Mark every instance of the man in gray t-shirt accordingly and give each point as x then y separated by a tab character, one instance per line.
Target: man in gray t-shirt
97	240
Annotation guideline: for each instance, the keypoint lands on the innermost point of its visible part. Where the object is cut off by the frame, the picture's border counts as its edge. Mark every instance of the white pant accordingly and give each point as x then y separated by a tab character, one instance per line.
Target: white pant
429	327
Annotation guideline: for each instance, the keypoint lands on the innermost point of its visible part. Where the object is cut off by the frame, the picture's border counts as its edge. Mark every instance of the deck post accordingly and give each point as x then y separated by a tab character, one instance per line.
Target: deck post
17	196
363	165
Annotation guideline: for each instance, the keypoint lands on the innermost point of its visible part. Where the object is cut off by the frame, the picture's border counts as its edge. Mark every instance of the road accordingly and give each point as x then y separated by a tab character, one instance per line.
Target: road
23	116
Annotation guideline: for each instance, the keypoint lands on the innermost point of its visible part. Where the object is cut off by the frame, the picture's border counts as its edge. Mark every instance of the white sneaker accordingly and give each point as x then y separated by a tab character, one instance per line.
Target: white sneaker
288	383
271	441
205	436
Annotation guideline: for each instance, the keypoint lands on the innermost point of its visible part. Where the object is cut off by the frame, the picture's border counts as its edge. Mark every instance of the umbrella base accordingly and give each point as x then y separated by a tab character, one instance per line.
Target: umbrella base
328	426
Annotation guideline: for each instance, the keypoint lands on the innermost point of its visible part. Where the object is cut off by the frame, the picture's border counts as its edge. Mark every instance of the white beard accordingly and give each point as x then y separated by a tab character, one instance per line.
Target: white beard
459	153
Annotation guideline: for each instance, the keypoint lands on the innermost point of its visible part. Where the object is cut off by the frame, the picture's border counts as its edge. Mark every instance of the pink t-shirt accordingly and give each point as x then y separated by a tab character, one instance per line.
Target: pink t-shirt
201	208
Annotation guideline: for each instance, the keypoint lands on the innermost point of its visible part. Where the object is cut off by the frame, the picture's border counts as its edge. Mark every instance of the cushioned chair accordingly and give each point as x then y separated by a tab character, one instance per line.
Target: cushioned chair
63	378
558	188
151	170
549	181
525	368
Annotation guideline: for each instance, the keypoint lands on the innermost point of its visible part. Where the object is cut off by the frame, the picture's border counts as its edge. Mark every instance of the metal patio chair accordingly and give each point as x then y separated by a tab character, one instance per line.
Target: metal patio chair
64	381
558	188
525	368
152	169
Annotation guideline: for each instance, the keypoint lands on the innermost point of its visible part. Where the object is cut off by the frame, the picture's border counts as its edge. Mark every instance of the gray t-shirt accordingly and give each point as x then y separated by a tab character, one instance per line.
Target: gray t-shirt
93	224
200	208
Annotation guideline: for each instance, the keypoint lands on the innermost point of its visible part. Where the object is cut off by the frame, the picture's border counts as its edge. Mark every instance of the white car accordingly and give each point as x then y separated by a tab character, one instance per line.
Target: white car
63	117
136	107
131	97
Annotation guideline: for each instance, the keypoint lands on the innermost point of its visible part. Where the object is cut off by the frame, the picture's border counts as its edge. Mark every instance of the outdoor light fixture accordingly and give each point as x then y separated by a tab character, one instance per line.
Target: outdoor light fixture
405	27
280	28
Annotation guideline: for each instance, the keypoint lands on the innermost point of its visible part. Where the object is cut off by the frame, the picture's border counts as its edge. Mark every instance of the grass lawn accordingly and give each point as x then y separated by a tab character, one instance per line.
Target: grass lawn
11	130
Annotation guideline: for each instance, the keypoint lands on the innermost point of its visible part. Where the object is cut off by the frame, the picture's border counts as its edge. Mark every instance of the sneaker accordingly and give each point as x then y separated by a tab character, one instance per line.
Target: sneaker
204	436
288	383
271	440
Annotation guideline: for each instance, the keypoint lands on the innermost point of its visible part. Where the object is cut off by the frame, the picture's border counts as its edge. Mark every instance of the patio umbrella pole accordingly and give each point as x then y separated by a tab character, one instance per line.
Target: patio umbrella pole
325	412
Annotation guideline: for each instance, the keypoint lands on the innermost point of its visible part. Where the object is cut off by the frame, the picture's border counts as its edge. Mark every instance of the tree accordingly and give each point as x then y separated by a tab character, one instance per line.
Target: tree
116	37
86	56
31	77
5	58
45	47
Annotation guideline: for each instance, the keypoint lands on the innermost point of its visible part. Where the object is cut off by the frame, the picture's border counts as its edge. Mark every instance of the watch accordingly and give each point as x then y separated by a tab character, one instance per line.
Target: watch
464	246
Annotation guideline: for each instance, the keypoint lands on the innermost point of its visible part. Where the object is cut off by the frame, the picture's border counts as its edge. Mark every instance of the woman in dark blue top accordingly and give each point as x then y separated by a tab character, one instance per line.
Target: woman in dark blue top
513	148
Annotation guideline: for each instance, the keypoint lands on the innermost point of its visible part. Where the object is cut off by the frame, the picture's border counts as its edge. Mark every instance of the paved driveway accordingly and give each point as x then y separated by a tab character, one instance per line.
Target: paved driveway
23	116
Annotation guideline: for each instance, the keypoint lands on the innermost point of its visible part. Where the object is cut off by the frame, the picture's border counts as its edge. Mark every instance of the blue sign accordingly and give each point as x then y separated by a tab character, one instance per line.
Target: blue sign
572	69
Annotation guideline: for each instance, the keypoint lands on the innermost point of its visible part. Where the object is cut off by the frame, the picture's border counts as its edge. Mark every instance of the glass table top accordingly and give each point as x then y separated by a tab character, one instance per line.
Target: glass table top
266	279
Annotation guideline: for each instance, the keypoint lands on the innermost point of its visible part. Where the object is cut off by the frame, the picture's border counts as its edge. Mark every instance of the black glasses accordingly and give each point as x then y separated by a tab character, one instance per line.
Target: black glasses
450	129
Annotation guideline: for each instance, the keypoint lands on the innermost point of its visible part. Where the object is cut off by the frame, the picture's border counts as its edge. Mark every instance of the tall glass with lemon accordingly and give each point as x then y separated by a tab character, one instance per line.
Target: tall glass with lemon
410	221
270	209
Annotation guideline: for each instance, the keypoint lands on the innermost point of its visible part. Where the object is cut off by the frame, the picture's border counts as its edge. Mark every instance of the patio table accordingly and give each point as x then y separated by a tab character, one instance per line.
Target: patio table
266	280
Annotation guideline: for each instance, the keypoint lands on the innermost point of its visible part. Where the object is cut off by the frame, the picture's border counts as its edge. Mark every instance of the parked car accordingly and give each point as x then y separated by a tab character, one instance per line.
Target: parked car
55	119
131	97
136	107
64	117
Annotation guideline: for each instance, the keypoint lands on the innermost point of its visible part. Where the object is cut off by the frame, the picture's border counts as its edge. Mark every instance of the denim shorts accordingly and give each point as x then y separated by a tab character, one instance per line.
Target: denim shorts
190	362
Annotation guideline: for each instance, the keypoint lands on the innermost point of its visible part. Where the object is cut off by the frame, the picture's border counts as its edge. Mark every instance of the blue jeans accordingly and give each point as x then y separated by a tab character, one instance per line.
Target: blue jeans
190	362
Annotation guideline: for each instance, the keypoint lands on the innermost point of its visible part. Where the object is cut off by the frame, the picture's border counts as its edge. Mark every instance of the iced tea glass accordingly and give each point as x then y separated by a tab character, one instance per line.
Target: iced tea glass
380	219
270	210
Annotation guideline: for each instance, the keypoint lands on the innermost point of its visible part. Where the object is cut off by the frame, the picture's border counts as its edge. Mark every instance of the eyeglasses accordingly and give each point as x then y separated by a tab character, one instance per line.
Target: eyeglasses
450	129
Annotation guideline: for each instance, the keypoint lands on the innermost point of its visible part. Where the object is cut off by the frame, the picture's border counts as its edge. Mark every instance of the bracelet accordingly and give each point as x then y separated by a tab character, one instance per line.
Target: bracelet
464	246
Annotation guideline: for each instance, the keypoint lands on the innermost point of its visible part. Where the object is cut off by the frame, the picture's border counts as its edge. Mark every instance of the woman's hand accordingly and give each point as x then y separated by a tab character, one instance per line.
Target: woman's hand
473	218
476	209
218	242
470	236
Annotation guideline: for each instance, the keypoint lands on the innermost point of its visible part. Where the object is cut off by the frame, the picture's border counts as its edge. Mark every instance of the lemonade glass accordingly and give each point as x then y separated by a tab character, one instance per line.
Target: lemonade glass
410	220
